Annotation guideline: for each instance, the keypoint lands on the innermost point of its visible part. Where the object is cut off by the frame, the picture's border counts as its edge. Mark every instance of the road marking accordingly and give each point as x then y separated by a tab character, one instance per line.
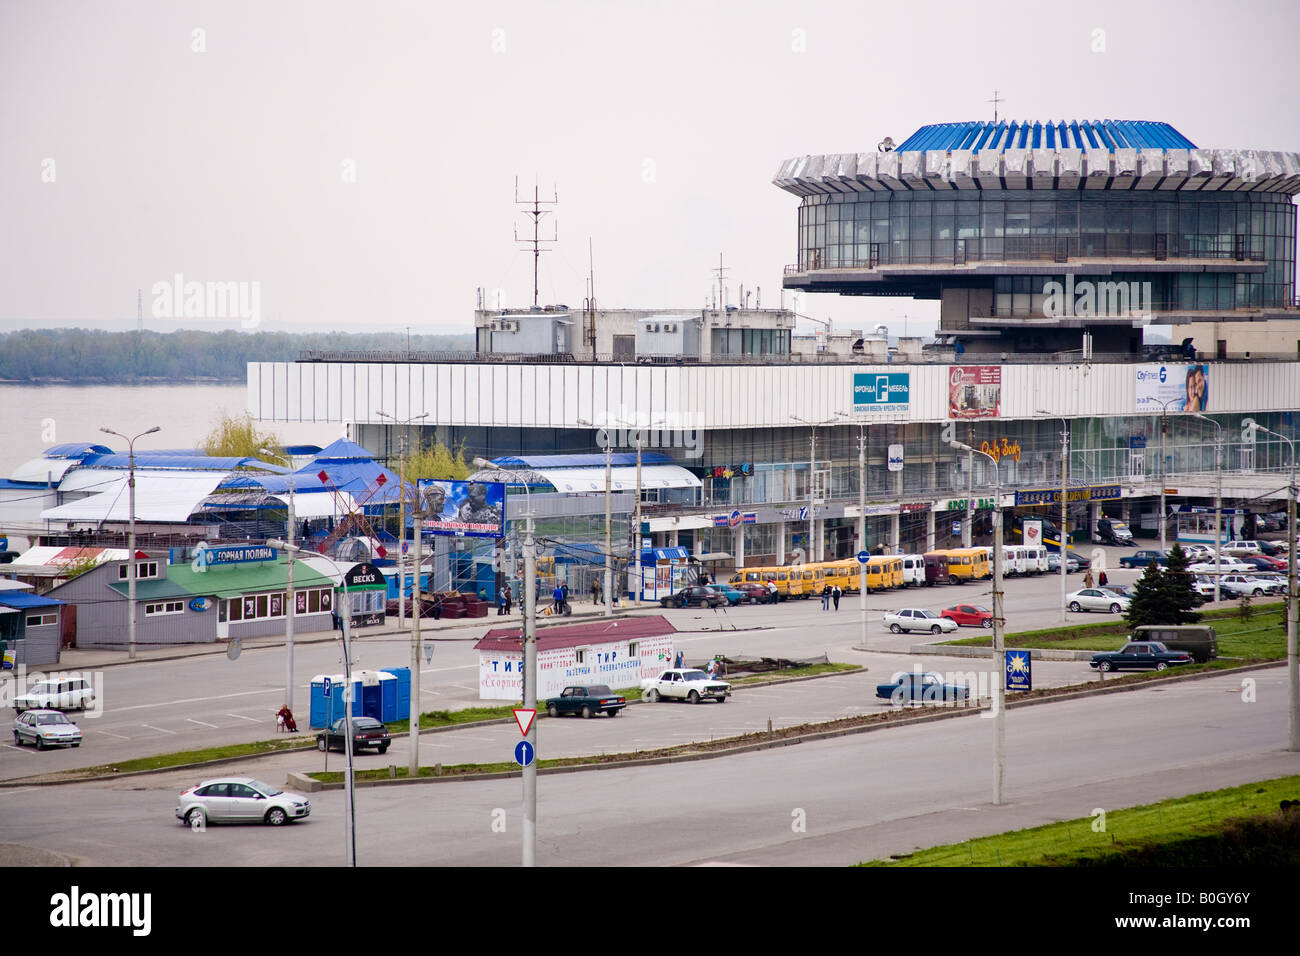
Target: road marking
5	793
203	722
252	720
159	729
16	747
196	700
111	734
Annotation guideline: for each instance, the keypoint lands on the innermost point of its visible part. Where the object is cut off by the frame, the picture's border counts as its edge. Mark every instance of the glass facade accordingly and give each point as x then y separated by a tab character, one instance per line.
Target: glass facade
870	229
750	342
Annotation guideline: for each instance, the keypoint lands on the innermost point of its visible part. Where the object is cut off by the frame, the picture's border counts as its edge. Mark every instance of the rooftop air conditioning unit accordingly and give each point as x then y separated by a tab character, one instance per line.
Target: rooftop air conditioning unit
509	326
651	327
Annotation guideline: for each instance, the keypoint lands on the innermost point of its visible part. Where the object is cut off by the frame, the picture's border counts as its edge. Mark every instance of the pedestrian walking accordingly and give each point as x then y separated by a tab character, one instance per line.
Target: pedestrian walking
1101	579
1087	578
826	597
501	602
509	598
677	661
595	590
835	596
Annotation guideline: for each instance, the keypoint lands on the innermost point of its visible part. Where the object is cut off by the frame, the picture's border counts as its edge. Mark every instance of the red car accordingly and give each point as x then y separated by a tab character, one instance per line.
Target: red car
968	615
754	593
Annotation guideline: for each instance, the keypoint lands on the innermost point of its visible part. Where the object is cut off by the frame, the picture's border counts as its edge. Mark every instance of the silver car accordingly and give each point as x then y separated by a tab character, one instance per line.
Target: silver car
240	799
918	619
46	728
1097	599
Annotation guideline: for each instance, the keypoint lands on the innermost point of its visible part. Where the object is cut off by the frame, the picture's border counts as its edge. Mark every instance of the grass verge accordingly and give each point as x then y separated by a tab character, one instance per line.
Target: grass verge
1119	836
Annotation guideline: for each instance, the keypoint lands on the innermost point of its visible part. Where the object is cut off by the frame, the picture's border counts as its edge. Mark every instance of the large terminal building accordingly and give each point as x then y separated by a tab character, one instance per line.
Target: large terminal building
1058	252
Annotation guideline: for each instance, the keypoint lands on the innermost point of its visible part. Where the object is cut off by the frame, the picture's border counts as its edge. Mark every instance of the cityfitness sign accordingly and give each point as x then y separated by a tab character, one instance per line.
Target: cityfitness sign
882	391
1052	496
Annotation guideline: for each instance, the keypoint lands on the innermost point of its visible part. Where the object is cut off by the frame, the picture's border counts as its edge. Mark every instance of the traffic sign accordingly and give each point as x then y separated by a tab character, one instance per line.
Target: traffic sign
326	686
524	753
524	718
863	557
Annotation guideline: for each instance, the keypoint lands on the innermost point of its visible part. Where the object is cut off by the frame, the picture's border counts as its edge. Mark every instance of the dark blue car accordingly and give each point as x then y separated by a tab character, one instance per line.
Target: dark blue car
921	688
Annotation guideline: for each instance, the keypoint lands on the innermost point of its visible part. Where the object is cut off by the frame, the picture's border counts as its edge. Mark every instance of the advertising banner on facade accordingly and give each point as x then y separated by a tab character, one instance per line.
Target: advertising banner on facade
974	391
1174	388
1033	532
465	509
882	391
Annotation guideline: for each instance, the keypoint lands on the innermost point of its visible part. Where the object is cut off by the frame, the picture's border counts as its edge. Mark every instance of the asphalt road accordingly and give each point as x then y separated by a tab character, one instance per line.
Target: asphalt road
858	797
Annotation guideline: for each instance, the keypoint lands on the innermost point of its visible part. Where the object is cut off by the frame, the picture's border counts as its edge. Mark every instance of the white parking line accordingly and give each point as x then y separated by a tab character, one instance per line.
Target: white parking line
16	747
5	793
159	729
196	700
203	722
252	720
111	734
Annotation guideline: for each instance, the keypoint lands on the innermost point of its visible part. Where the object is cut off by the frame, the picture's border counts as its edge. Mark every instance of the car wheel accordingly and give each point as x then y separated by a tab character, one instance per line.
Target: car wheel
611	713
1115	609
194	818
276	816
321	745
654	696
586	713
1258	592
40	743
383	748
1162	666
952	579
986	623
1103	665
552	710
1074	606
935	629
895	629
693	697
18	741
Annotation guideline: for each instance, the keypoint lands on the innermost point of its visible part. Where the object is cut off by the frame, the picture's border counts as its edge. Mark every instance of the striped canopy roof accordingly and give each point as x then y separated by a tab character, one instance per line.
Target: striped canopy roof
1033	134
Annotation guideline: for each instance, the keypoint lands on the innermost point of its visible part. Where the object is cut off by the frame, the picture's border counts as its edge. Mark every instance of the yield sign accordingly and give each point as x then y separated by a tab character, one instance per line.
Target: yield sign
524	718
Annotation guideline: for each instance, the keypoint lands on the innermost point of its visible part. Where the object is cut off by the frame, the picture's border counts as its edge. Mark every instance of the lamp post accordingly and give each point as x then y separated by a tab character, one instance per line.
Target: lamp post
1065	514
1218	495
1292	657
413	767
130	544
530	664
862	525
1164	512
999	663
811	556
345	619
292	606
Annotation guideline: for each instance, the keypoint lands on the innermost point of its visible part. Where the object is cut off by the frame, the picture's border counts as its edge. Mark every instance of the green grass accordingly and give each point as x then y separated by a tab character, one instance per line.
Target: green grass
1261	638
1076	842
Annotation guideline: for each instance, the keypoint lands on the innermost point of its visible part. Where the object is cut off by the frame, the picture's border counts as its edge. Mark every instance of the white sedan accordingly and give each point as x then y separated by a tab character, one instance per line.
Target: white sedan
685	683
1096	599
919	619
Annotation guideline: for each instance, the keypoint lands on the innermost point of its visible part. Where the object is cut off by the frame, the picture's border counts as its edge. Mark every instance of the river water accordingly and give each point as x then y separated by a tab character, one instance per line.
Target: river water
34	417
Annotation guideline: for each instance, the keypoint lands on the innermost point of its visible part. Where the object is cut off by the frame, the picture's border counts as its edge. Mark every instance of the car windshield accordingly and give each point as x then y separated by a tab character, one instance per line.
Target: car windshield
265	788
366	723
52	719
694	675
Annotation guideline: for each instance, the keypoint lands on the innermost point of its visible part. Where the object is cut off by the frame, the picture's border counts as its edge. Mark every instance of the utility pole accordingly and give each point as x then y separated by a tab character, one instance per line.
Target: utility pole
132	572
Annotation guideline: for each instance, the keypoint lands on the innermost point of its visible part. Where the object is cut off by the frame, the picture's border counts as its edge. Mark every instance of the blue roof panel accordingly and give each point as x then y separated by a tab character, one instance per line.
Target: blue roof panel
1077	134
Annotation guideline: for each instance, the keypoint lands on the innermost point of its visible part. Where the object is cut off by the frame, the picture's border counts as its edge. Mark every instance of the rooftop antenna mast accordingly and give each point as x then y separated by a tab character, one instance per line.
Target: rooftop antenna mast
139	310
589	309
995	101
722	289
537	212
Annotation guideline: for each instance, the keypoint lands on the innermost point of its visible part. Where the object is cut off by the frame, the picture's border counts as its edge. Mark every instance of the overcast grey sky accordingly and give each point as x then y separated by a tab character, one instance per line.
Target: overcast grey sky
216	139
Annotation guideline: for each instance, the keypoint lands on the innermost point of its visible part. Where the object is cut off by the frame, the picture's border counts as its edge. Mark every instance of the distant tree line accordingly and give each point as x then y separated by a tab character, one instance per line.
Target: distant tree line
83	355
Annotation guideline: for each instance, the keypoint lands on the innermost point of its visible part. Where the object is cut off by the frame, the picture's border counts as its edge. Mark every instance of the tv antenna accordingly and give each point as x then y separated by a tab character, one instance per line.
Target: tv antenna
537	212
995	101
722	291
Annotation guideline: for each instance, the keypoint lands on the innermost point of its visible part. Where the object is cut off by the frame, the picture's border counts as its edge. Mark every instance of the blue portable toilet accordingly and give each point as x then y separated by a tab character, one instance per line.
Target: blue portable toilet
374	694
403	705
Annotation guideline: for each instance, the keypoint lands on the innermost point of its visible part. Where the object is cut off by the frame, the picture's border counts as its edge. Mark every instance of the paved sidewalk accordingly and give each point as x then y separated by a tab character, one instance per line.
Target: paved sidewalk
460	629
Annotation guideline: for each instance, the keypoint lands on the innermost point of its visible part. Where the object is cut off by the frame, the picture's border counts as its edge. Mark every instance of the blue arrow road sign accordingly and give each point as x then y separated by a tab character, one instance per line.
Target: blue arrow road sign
863	557
524	753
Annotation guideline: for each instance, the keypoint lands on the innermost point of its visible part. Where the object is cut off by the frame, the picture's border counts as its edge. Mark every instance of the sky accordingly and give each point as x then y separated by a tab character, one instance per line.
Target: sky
353	166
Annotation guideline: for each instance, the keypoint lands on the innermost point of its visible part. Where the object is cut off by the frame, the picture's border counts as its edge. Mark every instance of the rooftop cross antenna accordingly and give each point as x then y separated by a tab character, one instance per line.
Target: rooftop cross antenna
537	212
995	101
722	291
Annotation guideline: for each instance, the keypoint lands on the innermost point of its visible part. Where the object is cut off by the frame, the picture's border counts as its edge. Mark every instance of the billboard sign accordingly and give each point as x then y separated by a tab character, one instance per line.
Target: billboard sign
463	509
974	391
895	457
1175	388
1033	532
882	391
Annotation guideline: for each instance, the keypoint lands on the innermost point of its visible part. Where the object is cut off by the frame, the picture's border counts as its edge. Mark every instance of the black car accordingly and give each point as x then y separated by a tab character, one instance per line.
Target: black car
1140	656
587	700
366	732
694	597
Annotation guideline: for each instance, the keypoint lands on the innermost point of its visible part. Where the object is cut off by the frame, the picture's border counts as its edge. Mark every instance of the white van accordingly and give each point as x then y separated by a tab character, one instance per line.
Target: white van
913	570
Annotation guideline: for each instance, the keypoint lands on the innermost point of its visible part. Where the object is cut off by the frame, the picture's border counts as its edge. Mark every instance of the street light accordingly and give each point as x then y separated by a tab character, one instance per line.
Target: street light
130	545
349	808
1218	495
417	512
1292	658
862	524
292	605
999	663
530	664
1164	427
812	555
1065	514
